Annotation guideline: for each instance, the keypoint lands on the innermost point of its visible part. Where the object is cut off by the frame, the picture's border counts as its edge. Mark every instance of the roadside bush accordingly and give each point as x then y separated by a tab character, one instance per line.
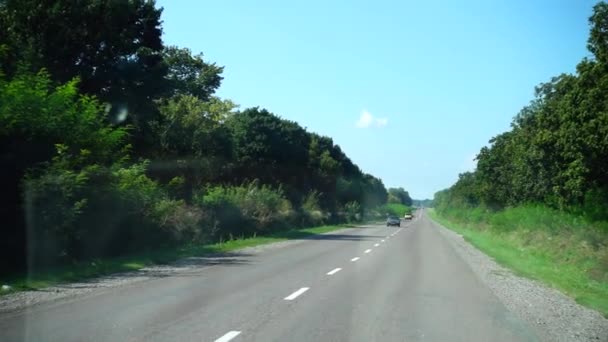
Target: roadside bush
312	215
352	211
39	122
245	209
177	187
96	212
54	203
396	209
183	222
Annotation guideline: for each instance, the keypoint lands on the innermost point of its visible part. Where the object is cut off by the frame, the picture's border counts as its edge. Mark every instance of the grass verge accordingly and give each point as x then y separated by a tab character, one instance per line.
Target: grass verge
100	267
559	259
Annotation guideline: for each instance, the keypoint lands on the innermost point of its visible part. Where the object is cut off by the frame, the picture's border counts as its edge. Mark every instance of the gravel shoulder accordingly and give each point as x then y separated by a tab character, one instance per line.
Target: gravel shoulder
553	315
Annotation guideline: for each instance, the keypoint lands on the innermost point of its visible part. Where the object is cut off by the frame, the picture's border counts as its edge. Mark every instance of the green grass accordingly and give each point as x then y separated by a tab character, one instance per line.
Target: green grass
542	247
91	269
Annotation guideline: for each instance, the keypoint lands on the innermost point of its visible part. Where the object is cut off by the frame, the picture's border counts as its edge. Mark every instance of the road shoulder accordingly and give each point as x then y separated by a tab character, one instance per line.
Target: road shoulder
19	301
554	316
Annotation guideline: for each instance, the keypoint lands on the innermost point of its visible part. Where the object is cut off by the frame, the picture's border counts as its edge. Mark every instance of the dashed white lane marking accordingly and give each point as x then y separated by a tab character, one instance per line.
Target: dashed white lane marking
368	250
297	293
334	271
376	244
381	241
354	259
228	336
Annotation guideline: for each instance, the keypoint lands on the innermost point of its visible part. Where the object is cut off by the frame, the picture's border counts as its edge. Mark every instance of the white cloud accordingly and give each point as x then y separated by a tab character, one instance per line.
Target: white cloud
367	120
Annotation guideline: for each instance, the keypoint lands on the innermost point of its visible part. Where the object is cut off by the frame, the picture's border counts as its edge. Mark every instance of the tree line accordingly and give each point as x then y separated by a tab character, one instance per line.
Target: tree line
112	142
399	195
556	152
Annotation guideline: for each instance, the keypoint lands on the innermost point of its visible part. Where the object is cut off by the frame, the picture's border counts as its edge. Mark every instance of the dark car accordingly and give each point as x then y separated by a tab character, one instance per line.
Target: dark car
393	221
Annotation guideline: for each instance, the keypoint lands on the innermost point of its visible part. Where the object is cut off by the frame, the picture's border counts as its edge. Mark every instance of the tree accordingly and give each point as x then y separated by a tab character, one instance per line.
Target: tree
399	195
37	120
193	138
270	149
189	75
114	47
598	37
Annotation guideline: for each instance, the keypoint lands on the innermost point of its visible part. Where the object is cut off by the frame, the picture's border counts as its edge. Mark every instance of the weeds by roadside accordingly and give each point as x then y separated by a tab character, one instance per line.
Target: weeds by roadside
559	249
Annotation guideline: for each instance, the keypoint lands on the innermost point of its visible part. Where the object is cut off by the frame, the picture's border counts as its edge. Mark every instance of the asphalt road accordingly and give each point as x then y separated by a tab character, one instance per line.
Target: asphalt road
363	284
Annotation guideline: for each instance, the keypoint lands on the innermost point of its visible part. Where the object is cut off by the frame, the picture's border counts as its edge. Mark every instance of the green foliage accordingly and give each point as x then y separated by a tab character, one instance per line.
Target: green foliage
556	152
42	115
182	221
245	209
54	204
352	211
190	126
270	149
176	187
399	195
41	123
564	250
396	209
311	209
194	143
114	47
97	211
89	94
189	75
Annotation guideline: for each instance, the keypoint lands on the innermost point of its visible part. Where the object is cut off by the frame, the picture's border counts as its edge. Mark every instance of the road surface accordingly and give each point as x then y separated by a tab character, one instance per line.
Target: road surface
363	284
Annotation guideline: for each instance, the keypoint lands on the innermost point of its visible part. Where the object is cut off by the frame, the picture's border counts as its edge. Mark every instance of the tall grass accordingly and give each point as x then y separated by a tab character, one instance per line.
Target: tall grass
563	250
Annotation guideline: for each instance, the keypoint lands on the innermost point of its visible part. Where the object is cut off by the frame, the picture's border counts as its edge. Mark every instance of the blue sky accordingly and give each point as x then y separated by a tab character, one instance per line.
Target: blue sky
410	90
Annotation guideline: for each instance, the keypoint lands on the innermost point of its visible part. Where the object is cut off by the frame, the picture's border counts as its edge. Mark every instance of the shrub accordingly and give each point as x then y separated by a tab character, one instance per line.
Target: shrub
98	211
181	221
396	209
177	187
54	203
311	209
245	209
352	211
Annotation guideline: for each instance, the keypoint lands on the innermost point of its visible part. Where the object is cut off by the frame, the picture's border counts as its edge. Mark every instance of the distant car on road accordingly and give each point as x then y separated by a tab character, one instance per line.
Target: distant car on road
408	216
393	221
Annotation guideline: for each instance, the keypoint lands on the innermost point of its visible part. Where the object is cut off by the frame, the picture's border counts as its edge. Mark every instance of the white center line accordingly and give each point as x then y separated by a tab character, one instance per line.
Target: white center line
334	271
229	336
368	250
376	244
297	293
354	259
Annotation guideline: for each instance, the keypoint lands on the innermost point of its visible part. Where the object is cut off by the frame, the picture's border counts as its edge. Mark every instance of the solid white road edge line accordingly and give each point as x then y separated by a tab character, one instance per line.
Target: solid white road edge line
354	259
368	250
334	271
297	293
228	336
